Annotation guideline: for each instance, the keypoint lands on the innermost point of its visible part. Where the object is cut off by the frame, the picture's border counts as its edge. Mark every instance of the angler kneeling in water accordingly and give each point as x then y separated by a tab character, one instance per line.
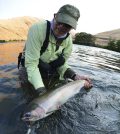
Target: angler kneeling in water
47	49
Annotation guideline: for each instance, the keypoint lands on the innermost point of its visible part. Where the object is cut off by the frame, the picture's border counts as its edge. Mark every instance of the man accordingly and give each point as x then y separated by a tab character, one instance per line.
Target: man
48	68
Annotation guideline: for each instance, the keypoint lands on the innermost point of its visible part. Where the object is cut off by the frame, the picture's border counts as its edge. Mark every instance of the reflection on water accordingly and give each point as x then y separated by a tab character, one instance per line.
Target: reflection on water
9	51
94	112
98	57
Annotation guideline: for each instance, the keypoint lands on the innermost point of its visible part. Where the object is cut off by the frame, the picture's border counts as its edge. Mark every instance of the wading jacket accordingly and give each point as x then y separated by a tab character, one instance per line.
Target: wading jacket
35	39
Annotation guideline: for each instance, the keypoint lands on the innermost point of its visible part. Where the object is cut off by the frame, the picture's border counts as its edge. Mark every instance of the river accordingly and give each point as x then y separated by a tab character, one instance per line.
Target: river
93	112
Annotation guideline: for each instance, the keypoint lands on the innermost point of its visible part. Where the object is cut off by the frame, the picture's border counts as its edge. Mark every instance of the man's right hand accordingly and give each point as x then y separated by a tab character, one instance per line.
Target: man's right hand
88	84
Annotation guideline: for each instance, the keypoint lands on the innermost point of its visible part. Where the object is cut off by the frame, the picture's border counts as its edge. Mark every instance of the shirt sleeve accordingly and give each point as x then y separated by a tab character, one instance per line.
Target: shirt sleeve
67	52
32	55
68	48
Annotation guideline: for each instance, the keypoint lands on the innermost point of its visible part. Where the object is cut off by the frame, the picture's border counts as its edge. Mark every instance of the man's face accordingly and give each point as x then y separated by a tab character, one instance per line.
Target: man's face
60	29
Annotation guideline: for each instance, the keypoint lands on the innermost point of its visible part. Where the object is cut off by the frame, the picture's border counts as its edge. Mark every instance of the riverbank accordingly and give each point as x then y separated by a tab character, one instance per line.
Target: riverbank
11	42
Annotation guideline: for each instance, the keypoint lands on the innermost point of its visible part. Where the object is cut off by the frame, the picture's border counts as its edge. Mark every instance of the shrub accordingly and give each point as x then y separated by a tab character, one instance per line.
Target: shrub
84	38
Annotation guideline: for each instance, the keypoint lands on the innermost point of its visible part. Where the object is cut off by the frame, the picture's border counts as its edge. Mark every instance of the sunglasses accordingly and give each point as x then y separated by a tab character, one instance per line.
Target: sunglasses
64	25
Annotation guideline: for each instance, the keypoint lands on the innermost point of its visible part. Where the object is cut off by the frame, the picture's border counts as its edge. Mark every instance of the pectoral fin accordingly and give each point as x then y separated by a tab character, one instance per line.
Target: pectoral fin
53	110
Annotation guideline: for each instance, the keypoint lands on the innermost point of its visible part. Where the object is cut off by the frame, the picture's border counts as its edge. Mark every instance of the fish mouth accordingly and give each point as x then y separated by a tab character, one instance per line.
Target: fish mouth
26	117
34	115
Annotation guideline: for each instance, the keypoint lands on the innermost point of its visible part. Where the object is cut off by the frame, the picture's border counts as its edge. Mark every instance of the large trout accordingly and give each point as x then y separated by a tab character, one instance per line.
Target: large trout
51	101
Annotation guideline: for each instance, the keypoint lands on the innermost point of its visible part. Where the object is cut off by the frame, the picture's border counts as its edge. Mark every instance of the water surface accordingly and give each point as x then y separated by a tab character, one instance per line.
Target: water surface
94	112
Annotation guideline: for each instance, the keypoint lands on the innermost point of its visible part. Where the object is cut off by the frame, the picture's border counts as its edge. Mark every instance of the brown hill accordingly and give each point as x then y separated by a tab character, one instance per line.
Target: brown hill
104	37
16	28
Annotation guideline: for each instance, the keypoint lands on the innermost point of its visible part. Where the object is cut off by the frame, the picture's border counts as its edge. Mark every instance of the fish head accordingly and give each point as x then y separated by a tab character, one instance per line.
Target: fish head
34	115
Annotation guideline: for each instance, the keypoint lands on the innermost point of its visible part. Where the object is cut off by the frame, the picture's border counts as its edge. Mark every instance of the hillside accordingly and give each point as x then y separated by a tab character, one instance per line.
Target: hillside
16	28
104	37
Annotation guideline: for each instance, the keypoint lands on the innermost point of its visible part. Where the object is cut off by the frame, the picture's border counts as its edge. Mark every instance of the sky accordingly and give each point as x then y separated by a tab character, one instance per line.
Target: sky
95	15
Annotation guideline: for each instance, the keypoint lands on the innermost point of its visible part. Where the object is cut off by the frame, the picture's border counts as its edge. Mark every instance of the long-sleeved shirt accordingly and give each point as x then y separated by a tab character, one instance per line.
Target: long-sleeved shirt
35	39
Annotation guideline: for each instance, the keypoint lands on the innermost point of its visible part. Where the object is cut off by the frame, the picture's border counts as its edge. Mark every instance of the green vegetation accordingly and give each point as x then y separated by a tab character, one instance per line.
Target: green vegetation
2	41
84	38
89	40
113	45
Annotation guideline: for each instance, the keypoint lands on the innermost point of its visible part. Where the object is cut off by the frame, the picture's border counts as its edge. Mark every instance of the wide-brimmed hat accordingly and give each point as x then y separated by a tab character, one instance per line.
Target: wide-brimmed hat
68	14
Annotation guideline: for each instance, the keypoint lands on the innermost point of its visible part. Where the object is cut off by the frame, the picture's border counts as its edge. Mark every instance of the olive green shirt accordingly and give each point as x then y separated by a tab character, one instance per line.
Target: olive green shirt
35	39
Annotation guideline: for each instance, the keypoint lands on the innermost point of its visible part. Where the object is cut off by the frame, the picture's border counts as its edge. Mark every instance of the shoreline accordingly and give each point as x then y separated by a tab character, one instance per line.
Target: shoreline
10	42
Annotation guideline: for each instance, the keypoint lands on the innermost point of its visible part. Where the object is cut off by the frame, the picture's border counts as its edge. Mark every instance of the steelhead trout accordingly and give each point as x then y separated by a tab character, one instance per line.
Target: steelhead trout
49	102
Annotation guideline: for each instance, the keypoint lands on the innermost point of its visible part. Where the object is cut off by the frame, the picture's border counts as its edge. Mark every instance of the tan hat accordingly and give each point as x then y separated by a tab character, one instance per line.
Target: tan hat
68	14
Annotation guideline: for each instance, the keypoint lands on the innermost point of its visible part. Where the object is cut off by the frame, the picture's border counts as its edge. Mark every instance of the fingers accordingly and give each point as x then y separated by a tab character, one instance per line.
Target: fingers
88	85
87	79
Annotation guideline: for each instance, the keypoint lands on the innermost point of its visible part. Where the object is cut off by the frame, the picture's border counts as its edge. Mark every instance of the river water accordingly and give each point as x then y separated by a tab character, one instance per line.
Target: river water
93	112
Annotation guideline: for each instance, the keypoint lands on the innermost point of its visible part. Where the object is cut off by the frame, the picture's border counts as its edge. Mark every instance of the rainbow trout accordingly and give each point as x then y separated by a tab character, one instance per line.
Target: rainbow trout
49	102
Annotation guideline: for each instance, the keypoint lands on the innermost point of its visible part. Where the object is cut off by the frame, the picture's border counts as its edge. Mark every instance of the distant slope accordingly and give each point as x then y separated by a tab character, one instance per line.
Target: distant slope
16	28
103	38
115	34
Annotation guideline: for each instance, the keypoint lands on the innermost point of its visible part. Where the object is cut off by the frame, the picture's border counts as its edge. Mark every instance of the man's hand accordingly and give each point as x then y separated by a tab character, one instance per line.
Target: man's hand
88	84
